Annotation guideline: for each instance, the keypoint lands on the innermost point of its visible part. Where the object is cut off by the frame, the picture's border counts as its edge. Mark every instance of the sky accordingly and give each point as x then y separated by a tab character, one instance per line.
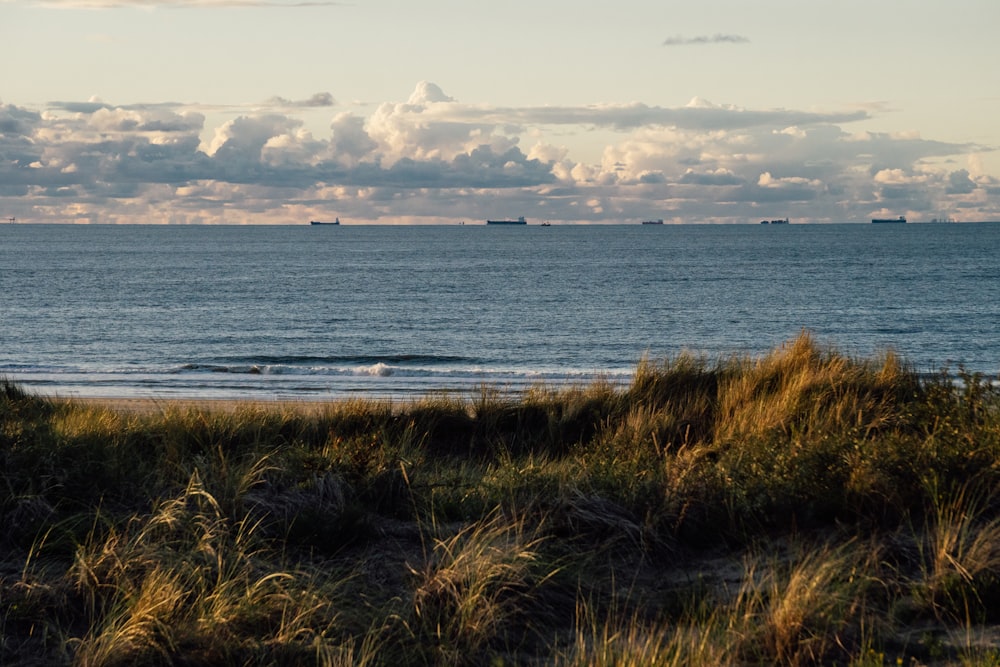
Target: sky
446	111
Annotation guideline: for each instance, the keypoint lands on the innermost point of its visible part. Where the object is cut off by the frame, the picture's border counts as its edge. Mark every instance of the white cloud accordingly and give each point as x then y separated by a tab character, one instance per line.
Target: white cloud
427	93
766	180
106	119
350	142
895	177
243	138
434	157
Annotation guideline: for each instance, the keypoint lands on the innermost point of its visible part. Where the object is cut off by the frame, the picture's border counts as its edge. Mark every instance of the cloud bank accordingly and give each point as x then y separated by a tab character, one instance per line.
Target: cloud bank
435	159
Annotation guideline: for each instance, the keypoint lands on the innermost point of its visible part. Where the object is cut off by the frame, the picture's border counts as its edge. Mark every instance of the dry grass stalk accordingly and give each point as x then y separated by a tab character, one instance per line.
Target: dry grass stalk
472	585
792	613
960	551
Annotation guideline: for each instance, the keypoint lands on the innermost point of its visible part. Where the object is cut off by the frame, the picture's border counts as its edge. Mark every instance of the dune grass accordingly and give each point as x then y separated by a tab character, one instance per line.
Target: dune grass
800	508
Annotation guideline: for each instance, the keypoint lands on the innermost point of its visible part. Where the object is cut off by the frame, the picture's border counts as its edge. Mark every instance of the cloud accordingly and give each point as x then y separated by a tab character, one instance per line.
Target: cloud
434	157
959	183
96	104
427	92
717	38
107	119
718	177
15	121
80	107
318	100
350	142
699	114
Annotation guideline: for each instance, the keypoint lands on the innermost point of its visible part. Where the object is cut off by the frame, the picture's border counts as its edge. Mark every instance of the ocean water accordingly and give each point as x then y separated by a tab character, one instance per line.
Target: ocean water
325	312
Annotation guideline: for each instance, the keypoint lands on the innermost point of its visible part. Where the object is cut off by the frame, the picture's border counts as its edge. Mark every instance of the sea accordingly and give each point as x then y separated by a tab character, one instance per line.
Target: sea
330	312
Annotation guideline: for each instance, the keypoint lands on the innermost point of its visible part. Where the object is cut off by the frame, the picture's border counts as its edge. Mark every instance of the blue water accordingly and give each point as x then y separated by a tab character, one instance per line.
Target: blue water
315	312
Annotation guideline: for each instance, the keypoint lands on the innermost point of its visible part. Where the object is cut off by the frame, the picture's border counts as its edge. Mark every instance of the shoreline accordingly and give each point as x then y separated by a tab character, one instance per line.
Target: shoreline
145	406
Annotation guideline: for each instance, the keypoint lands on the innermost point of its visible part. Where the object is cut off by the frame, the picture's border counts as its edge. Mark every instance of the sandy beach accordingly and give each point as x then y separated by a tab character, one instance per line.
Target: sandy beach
161	405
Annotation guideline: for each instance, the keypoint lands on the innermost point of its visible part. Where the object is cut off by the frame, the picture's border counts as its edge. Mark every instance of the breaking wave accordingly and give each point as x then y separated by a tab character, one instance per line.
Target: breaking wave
303	378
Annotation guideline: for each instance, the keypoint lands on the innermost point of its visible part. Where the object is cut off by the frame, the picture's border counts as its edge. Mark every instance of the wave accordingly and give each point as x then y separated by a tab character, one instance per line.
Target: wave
377	369
368	365
277	382
359	359
381	369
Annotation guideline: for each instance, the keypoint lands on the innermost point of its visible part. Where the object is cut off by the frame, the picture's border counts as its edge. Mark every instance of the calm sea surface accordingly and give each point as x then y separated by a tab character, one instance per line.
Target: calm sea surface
315	312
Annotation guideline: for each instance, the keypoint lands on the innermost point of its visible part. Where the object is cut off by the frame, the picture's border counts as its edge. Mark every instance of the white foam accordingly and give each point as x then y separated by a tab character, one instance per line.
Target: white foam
380	369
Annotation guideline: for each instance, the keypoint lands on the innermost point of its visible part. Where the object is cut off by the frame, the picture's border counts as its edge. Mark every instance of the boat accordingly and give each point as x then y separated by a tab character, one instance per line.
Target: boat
546	224
774	222
653	222
318	222
519	221
900	219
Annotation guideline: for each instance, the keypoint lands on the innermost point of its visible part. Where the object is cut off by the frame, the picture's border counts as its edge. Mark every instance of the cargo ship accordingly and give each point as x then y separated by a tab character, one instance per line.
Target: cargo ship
876	221
317	222
652	222
774	222
519	221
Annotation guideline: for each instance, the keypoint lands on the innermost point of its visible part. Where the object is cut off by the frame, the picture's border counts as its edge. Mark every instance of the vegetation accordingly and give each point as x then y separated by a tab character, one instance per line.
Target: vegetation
802	508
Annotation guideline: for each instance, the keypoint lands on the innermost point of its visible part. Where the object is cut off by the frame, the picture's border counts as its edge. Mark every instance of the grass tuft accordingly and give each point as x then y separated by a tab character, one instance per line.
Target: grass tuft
472	587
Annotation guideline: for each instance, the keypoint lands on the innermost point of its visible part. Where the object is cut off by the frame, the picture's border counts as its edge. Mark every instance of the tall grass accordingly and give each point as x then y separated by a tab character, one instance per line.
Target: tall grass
472	587
802	507
959	567
799	610
186	580
602	641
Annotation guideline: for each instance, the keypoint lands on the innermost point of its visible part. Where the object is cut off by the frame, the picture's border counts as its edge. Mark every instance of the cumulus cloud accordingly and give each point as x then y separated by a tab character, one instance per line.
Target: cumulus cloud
959	183
350	142
15	121
434	157
717	38
717	177
106	119
427	92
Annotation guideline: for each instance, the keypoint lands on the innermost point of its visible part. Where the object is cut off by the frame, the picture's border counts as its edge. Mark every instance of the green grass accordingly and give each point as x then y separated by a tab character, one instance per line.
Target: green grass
800	508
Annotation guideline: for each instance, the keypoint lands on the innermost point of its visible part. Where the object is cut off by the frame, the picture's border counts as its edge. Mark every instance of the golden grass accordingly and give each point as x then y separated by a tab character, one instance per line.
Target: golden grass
792	611
471	585
632	641
802	388
188	580
799	508
960	552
